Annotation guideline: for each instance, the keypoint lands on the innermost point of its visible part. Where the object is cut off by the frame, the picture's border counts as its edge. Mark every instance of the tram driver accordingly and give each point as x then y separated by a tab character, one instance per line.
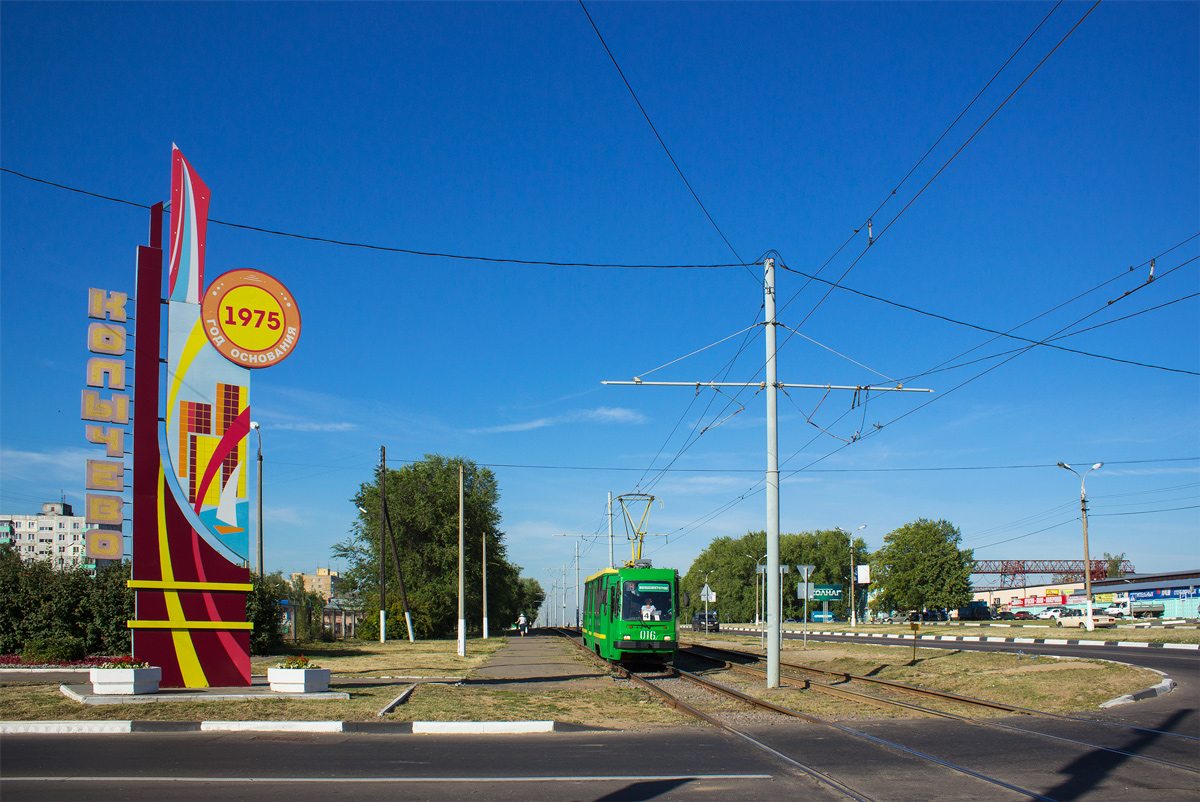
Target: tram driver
649	611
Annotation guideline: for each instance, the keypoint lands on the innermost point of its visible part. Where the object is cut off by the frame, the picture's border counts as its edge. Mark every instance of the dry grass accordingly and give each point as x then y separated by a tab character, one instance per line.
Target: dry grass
619	706
1059	685
396	658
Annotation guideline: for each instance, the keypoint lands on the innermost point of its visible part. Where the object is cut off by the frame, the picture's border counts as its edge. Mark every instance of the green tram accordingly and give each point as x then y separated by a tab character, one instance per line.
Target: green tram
629	613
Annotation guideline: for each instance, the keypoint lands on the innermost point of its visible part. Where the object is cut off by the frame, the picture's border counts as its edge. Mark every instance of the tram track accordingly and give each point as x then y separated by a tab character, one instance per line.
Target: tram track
654	685
915	690
790	678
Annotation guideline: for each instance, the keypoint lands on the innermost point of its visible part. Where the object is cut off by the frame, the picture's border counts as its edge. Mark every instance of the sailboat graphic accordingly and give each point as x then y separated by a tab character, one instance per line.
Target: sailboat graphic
227	506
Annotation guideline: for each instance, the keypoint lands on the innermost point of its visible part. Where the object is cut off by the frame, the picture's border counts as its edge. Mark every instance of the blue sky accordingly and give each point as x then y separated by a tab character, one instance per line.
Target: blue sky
504	130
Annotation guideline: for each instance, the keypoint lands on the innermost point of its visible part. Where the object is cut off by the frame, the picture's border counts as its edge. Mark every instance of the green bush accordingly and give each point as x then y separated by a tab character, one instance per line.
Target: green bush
53	649
264	611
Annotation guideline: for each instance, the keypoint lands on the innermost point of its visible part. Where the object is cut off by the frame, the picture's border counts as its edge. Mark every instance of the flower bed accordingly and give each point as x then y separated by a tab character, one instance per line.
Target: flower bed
16	661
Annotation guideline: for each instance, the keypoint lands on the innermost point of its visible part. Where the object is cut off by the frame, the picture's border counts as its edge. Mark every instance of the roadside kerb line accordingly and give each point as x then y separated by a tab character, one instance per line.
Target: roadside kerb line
416	727
536	779
988	639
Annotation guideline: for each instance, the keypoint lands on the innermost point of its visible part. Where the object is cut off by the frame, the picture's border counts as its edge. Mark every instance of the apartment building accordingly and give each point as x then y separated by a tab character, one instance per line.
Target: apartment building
324	582
55	535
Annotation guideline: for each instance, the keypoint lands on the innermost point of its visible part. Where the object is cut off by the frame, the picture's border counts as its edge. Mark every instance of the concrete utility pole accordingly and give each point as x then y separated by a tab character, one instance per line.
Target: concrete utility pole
552	603
485	627
773	601
611	561
578	586
382	545
853	578
462	614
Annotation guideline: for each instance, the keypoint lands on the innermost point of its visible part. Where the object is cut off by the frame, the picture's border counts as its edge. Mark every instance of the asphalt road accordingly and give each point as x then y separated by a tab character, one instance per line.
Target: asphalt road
685	763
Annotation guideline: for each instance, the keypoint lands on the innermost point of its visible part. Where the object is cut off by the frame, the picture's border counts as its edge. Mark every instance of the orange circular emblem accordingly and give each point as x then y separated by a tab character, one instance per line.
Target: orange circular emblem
251	318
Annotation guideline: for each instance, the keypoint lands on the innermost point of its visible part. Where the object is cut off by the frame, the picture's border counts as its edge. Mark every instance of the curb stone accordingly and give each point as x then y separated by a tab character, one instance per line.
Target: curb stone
384	727
986	639
1162	688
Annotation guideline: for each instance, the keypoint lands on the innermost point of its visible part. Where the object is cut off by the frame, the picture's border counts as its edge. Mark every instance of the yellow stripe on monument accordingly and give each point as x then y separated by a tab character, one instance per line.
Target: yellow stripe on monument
190	625
152	584
185	649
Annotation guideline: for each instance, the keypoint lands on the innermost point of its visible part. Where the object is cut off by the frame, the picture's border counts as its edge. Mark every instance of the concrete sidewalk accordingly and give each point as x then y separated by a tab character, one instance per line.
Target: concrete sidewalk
538	662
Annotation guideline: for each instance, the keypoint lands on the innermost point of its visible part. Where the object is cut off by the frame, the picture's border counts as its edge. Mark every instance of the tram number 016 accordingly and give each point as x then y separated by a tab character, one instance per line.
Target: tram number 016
647	634
245	316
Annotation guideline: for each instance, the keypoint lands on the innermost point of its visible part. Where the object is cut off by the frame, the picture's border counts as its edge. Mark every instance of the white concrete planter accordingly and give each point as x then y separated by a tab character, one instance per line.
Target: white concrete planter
298	680
112	681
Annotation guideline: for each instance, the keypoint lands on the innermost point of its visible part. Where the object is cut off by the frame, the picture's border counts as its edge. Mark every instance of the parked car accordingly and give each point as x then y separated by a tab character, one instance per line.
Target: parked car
1022	615
705	622
1051	612
1078	618
1004	615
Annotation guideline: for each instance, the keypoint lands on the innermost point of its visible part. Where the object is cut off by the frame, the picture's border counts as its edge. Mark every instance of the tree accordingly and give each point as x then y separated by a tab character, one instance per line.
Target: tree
1114	565
264	610
41	601
422	500
920	567
530	596
730	565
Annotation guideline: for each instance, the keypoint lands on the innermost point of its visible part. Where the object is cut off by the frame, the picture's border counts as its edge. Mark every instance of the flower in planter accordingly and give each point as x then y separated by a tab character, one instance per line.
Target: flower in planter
297	662
125	662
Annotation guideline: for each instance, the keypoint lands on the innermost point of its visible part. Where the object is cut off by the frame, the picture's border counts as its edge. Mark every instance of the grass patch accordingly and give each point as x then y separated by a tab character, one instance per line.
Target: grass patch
616	707
1055	685
396	658
620	706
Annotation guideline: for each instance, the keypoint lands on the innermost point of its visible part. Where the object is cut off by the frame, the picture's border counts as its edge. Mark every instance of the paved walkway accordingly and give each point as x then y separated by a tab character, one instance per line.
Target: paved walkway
539	662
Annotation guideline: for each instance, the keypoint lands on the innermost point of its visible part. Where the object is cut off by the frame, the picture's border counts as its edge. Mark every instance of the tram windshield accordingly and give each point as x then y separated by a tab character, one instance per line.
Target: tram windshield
647	601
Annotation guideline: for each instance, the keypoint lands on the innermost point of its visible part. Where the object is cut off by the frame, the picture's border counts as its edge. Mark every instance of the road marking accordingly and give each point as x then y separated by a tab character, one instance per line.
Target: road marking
536	779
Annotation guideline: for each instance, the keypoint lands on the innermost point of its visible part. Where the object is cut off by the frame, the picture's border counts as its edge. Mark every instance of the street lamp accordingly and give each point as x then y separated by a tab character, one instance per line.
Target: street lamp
1087	561
756	562
259	539
853	608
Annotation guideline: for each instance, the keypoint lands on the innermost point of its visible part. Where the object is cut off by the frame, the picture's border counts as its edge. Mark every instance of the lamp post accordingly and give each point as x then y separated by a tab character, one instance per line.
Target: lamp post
259	537
1087	561
853	607
756	562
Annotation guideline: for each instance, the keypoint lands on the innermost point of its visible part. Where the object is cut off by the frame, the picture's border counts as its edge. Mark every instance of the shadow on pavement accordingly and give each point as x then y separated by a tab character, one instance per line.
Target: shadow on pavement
648	789
1087	771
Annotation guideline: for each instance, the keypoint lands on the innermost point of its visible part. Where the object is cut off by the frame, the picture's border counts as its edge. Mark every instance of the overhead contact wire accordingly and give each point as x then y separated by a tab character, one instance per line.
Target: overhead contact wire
666	150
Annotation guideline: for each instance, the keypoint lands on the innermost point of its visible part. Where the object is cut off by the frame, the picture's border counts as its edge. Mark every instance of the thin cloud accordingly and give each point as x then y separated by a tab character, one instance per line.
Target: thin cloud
59	463
597	415
312	426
